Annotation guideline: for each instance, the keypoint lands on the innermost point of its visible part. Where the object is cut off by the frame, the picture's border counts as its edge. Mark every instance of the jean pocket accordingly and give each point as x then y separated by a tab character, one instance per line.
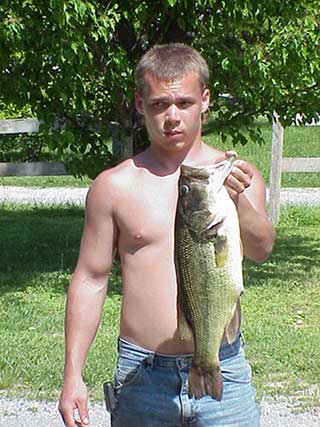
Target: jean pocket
236	369
128	372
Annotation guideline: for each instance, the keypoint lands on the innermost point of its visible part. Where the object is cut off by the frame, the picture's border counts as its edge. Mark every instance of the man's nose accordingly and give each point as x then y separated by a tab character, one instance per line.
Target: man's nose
172	114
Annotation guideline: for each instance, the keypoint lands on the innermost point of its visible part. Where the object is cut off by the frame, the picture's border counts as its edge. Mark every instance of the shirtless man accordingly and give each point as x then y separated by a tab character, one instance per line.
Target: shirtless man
131	208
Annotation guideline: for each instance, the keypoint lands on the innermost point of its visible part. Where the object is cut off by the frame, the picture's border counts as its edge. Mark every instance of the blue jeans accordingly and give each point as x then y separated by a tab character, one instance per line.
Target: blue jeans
151	390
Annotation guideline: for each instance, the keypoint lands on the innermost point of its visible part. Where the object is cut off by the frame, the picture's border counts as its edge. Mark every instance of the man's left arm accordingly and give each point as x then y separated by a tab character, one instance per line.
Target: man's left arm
247	189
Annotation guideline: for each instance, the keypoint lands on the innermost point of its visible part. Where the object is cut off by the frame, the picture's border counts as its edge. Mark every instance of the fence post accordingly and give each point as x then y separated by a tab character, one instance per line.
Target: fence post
275	169
122	146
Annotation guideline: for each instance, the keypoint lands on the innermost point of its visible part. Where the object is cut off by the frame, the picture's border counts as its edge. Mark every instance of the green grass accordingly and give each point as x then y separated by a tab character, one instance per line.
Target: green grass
282	309
39	247
45	181
298	142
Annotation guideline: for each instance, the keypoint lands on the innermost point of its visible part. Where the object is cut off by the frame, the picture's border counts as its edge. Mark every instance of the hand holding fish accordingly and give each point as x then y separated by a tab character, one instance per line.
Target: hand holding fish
239	178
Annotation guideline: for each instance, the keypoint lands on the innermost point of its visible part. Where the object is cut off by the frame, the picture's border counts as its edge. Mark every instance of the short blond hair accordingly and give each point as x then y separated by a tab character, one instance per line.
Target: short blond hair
168	62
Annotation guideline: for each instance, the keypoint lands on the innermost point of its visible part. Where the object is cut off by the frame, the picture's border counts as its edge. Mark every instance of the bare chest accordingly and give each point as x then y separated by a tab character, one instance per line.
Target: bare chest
146	212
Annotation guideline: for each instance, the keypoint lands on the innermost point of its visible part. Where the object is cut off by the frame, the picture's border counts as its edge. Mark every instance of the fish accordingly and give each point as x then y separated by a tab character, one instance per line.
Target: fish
208	260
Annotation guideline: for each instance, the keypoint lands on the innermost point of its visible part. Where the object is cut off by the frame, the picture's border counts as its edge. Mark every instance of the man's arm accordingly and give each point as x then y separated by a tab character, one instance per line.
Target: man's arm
247	189
86	296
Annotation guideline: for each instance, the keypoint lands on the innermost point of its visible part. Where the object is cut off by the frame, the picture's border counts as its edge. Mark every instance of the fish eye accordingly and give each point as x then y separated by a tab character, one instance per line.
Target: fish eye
184	189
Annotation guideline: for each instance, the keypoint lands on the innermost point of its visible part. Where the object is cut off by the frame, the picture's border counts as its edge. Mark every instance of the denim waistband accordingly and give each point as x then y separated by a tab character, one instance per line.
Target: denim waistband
128	349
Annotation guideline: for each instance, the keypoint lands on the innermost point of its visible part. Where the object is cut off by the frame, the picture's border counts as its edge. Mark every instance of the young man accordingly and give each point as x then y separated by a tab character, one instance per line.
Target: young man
131	208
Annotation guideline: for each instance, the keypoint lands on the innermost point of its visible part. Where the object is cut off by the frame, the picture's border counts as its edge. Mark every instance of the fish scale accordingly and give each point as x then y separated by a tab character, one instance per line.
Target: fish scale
202	281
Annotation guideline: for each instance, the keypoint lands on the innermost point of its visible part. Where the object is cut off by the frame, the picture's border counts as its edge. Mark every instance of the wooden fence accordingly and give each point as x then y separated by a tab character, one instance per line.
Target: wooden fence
18	126
14	126
281	164
278	163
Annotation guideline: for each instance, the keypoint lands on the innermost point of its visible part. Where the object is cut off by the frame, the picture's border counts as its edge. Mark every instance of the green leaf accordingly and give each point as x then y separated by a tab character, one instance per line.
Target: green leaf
171	2
225	64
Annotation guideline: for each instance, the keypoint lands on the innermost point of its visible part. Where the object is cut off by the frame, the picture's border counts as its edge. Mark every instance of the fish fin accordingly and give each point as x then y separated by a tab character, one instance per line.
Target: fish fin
232	329
205	381
221	250
185	331
241	248
221	171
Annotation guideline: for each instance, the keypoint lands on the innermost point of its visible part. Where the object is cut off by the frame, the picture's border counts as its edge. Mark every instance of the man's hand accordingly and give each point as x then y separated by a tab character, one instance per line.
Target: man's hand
239	178
73	404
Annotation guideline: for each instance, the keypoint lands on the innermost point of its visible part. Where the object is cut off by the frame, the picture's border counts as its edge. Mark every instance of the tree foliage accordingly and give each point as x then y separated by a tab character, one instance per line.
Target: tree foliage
72	62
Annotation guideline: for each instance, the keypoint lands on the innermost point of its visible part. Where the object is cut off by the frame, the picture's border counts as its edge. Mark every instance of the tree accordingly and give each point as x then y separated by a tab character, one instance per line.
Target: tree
73	61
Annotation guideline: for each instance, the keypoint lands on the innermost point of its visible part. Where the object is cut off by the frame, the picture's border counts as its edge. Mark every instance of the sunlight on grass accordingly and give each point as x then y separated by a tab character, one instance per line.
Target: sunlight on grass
281	307
45	181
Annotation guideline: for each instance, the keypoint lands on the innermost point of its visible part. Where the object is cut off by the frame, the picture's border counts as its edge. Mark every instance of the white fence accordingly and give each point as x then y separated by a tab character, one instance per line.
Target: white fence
281	164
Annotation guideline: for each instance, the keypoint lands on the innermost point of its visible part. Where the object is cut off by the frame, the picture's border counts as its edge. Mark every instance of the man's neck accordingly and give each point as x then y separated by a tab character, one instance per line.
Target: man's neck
169	162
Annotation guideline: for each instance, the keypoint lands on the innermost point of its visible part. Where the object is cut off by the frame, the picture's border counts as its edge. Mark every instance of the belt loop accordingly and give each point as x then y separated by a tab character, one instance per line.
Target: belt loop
149	362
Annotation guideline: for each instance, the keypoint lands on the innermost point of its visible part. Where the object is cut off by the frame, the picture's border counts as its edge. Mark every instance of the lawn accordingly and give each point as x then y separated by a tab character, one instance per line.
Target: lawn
298	142
39	247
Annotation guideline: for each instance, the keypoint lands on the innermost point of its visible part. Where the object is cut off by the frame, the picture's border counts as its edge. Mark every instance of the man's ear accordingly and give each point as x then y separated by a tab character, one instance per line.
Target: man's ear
205	100
138	100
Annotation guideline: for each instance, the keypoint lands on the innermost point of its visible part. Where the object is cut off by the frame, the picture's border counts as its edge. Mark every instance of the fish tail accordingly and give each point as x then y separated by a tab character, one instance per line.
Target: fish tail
205	381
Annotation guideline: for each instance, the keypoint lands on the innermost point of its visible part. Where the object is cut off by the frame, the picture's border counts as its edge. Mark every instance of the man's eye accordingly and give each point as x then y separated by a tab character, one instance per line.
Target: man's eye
184	104
159	105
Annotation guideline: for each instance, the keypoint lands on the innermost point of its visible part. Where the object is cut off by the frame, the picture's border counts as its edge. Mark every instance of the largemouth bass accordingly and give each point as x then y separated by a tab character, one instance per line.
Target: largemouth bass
208	256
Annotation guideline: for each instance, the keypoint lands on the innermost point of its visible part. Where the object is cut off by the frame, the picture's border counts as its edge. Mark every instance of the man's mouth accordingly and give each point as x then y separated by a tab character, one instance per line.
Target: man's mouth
173	132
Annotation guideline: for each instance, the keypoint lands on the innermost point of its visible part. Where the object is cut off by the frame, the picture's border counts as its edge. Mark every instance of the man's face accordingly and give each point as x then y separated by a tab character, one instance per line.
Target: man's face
172	111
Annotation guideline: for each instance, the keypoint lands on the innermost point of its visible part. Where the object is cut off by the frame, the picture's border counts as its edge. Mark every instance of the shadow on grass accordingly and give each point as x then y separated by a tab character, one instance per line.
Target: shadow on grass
38	242
41	240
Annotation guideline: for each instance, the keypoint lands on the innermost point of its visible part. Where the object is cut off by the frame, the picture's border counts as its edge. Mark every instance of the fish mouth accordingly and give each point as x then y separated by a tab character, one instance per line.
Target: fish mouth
213	228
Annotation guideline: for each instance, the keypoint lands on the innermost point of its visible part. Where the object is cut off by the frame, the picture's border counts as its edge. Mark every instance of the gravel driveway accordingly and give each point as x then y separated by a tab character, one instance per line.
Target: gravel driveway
61	195
24	413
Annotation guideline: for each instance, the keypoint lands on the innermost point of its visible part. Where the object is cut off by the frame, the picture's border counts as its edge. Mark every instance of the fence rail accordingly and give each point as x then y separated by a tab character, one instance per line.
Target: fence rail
32	169
300	164
15	126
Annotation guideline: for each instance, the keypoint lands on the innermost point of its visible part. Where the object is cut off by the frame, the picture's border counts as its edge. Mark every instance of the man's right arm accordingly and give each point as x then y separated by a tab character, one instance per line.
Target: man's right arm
86	296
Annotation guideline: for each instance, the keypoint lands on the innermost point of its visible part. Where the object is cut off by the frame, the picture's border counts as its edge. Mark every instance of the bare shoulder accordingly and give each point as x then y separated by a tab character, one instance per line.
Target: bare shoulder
209	155
217	155
104	190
